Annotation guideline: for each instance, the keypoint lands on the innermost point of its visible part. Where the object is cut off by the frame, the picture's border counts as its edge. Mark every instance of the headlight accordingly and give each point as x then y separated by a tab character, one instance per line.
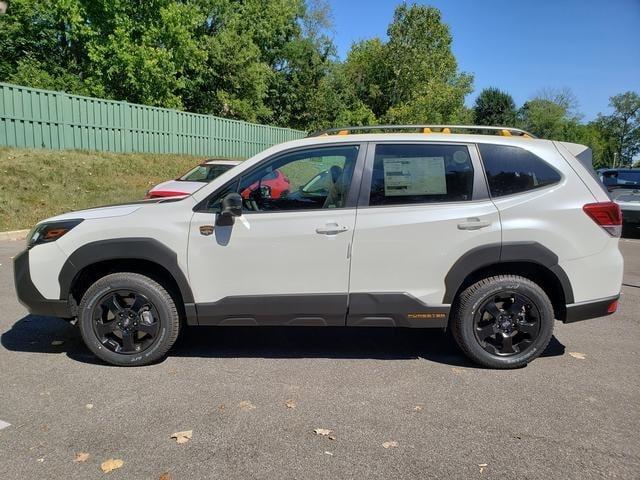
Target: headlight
50	231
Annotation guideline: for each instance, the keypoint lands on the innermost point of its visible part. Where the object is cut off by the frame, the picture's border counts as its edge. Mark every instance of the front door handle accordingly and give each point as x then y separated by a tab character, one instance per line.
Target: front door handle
473	224
331	229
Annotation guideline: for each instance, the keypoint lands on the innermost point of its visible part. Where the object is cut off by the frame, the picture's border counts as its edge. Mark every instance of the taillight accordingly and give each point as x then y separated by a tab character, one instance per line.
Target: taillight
606	214
613	306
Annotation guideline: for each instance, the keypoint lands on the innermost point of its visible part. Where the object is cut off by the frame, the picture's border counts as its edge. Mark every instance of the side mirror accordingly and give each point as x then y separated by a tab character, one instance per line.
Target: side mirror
231	205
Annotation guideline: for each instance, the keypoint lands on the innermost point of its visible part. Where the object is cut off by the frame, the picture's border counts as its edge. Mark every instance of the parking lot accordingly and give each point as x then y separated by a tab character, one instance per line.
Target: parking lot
253	398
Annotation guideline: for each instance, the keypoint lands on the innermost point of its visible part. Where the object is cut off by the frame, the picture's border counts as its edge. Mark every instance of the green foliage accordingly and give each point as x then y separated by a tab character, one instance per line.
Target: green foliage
412	78
544	118
494	107
621	129
267	61
272	61
614	139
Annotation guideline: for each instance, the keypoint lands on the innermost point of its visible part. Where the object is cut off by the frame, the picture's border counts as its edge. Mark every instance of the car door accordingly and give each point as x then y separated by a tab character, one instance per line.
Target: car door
422	207
286	259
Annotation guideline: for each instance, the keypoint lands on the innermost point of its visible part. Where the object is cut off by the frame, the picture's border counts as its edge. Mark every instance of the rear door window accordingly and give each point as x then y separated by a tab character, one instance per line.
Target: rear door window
420	173
511	170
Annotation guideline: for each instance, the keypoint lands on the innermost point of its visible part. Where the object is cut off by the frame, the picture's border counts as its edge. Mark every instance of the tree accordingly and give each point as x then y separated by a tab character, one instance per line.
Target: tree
336	102
412	78
561	96
494	107
543	118
268	61
624	125
367	70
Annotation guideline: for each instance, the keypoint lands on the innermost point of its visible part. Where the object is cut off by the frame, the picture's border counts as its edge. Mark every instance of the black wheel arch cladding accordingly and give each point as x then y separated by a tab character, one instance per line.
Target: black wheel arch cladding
503	254
138	248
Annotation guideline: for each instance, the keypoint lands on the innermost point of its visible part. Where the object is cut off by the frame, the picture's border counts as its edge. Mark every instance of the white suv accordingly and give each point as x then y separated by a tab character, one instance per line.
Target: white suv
492	236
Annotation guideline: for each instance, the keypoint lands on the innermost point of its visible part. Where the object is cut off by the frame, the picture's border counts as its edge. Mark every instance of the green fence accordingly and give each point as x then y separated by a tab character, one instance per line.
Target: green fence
34	118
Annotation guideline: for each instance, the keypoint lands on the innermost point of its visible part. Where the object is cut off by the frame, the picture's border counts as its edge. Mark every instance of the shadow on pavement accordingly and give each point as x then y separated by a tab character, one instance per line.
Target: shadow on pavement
36	334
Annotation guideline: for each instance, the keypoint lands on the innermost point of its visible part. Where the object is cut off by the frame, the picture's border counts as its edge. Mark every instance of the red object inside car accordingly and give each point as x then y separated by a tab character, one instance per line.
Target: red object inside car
276	183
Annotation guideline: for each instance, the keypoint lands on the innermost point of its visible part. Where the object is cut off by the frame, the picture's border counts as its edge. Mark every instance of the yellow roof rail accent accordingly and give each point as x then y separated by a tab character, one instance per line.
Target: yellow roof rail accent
505	133
446	129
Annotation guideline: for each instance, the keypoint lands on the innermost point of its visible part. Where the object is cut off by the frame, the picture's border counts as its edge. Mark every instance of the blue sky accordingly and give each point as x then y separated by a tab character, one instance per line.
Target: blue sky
521	46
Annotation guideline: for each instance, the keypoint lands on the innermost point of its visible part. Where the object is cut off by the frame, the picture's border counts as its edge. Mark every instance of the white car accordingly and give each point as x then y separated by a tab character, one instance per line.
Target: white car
493	236
629	201
624	187
193	180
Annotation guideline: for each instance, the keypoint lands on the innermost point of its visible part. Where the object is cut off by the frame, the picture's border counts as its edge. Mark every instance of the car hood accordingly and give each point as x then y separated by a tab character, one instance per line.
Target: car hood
107	211
178	186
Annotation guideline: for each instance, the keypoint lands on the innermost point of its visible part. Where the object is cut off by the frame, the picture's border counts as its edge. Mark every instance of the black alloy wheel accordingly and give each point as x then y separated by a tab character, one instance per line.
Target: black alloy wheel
502	321
507	323
125	322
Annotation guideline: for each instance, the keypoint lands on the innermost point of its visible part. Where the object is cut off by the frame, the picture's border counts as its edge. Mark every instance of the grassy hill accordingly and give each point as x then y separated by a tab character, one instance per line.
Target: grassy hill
35	184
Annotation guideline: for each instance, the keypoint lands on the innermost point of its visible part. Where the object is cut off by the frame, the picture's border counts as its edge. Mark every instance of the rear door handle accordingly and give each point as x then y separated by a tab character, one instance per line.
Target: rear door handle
473	224
331	229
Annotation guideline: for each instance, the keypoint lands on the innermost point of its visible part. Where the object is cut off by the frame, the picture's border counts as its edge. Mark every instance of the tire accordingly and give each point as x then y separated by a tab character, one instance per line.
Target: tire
523	313
131	310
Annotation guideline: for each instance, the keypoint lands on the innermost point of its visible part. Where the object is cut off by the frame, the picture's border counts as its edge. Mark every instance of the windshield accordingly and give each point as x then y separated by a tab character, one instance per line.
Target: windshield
204	173
318	184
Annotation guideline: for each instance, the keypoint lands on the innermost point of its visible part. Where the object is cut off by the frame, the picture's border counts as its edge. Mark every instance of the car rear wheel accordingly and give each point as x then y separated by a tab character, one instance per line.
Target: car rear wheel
503	321
128	319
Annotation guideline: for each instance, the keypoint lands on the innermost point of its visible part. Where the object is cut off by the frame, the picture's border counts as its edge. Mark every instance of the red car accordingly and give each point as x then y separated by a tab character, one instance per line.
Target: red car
273	185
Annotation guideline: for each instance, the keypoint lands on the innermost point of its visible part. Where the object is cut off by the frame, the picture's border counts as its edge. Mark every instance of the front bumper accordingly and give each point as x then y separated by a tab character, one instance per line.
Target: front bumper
28	294
593	309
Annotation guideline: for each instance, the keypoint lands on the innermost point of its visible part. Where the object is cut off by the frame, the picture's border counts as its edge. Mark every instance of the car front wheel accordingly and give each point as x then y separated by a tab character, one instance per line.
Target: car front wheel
128	319
504	321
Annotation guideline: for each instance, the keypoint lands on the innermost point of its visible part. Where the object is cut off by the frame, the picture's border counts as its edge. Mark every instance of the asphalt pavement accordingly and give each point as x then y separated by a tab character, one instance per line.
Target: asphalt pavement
253	397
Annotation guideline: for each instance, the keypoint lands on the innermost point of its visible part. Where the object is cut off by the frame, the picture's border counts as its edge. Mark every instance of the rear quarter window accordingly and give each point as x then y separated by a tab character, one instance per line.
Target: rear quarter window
511	170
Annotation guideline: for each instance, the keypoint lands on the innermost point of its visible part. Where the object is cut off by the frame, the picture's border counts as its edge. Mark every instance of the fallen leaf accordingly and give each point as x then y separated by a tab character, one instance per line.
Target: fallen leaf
578	355
81	457
246	405
182	437
482	466
418	408
390	444
111	464
165	476
57	343
323	432
290	403
221	407
89	406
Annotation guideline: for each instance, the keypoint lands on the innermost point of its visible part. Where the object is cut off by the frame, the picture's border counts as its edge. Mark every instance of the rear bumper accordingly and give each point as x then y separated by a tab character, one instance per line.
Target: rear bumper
28	294
587	310
630	216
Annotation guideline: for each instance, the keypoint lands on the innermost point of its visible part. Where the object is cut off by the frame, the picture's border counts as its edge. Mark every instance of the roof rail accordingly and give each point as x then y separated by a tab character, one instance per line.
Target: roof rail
504	131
